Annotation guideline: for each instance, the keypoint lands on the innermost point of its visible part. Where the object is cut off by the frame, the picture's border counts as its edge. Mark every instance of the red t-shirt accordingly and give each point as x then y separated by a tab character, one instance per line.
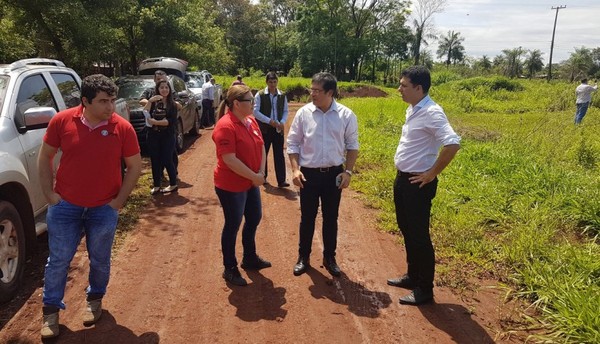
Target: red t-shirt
245	140
89	173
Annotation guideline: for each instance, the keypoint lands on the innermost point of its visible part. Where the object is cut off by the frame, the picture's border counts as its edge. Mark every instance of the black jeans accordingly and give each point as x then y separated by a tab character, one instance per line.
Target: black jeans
272	137
413	209
162	148
319	186
208	113
246	204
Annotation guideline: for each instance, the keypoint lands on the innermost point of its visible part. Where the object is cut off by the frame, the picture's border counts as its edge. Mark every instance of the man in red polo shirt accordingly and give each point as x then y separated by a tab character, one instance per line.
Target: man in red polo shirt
87	194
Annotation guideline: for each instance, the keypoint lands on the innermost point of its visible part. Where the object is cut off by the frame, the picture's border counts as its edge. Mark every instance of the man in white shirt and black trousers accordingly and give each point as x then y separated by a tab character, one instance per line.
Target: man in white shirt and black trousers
419	160
322	138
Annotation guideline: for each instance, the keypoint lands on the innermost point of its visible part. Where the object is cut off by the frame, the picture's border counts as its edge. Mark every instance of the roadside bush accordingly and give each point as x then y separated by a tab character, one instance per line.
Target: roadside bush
439	78
492	84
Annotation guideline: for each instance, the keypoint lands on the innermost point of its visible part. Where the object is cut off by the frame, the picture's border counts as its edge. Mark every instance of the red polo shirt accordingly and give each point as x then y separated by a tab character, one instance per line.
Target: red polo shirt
89	172
245	140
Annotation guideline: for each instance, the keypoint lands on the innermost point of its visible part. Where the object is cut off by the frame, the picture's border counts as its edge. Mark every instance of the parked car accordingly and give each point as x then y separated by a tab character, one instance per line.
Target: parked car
171	65
131	88
31	92
195	80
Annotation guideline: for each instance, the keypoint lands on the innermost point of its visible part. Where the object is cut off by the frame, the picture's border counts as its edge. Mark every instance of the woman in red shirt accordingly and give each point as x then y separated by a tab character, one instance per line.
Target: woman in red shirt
238	175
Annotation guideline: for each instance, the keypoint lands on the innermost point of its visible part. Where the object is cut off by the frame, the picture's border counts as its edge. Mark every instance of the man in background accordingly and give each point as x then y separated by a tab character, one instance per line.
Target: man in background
584	97
271	111
149	92
238	81
208	99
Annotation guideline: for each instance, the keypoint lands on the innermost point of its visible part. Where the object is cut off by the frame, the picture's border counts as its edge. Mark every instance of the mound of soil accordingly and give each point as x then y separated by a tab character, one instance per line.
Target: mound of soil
362	91
298	93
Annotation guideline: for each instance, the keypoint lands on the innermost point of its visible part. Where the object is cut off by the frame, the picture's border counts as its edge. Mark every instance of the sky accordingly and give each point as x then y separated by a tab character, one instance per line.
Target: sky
489	26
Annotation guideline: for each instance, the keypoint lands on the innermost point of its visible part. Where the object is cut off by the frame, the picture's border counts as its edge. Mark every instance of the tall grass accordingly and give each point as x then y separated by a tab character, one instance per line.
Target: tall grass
520	202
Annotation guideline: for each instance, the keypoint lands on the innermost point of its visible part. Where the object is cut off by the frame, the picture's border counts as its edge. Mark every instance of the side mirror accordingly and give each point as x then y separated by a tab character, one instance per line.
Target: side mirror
37	118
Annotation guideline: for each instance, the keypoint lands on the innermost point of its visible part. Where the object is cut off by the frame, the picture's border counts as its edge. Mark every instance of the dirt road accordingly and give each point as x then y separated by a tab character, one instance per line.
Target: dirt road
166	284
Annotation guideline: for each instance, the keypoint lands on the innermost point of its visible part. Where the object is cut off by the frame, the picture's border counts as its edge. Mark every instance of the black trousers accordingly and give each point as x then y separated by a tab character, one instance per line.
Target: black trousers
208	113
319	185
275	139
413	210
162	149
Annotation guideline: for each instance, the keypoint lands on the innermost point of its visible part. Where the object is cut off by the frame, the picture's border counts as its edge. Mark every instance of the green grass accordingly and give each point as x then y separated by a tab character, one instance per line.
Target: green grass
520	202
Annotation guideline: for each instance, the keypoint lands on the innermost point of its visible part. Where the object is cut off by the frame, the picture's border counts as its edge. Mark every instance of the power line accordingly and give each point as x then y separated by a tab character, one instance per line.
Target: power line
552	44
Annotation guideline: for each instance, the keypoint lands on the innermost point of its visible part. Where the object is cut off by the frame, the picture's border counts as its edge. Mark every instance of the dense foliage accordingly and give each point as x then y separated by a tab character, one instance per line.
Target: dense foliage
354	39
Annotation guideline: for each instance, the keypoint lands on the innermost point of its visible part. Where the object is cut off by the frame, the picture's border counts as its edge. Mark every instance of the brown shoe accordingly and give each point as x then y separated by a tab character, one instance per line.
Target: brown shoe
92	313
50	328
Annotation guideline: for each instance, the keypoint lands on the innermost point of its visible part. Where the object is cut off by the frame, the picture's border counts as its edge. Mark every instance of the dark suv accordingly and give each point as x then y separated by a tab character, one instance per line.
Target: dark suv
131	88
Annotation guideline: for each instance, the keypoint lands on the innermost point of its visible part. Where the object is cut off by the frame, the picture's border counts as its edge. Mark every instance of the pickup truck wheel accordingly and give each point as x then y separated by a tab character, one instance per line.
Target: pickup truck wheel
179	137
12	251
196	128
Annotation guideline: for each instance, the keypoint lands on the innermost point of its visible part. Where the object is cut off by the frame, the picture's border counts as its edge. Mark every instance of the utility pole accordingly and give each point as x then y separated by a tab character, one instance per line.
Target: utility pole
552	44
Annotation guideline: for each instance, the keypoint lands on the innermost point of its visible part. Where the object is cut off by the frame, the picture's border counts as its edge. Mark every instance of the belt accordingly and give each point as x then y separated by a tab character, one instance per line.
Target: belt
407	174
323	169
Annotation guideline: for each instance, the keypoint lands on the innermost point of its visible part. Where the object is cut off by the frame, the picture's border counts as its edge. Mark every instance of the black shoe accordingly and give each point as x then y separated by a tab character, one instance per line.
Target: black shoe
402	282
283	185
255	264
301	266
234	277
331	266
417	297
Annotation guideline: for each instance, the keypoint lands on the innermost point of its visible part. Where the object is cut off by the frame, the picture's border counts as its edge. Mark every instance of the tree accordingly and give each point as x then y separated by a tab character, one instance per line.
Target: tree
512	62
534	63
451	47
395	39
20	45
484	64
422	23
246	33
580	63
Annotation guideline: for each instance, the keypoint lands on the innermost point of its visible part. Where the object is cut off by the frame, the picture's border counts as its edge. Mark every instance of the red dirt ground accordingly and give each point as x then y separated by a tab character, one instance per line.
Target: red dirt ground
166	284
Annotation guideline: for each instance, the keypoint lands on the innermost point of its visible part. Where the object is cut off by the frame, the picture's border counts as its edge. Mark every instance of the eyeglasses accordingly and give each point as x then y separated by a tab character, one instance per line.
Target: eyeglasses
317	90
251	100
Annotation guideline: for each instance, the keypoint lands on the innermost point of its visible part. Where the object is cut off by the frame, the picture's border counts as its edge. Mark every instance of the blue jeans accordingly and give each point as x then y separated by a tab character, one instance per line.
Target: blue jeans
67	223
236	205
581	110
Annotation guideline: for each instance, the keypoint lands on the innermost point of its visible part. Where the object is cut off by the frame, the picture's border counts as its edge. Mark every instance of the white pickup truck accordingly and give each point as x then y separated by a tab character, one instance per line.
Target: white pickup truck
31	92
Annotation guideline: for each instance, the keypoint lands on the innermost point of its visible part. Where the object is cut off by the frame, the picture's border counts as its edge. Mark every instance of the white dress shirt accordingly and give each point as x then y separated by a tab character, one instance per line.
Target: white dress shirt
266	118
584	93
322	139
208	91
426	129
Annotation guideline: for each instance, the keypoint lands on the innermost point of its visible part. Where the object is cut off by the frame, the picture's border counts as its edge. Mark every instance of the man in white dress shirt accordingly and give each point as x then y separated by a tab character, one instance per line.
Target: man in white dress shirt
584	97
419	160
208	98
322	138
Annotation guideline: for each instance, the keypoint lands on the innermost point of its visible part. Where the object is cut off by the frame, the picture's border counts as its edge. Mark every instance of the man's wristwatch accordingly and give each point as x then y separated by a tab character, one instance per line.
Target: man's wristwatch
349	172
